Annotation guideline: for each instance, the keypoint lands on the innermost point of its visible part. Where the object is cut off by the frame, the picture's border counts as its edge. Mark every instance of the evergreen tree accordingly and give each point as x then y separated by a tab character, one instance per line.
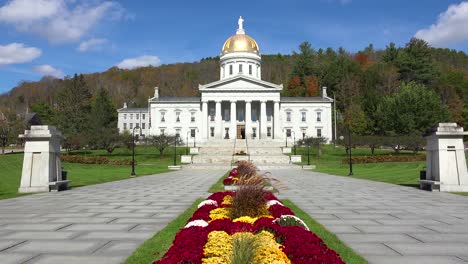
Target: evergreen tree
73	108
45	112
415	62
103	120
391	53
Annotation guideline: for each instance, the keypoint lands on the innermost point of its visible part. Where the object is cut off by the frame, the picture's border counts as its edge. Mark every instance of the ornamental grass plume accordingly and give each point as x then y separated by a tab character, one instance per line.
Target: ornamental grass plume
244	248
249	200
246	168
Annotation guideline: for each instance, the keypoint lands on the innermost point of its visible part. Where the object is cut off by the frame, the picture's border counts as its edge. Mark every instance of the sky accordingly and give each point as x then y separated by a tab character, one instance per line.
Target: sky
63	37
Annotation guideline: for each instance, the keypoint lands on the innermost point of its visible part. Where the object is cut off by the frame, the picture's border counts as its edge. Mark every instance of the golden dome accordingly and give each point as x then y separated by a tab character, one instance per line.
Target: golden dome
240	43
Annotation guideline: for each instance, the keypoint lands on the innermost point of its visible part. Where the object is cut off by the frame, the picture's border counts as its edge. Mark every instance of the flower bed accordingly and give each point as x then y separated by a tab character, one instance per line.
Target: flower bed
283	238
231	178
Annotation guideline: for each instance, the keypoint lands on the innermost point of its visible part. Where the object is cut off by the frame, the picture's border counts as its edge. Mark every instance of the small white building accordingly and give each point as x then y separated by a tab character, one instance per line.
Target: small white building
239	105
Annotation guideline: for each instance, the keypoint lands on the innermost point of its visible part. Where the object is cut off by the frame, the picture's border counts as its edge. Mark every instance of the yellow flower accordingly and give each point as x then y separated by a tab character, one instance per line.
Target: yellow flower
227	199
220	213
269	251
218	248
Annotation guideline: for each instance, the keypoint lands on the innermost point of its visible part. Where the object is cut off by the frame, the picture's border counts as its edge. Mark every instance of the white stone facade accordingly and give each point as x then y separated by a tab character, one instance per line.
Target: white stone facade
239	105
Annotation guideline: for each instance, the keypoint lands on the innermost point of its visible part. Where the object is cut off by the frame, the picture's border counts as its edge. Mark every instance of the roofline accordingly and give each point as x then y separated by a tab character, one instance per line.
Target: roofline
240	76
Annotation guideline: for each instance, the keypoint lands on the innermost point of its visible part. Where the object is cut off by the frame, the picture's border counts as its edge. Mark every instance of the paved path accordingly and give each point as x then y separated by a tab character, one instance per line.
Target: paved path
384	223
102	223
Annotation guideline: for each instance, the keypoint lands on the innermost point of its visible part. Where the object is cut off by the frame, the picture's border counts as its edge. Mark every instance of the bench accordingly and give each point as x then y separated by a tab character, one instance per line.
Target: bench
58	186
429	185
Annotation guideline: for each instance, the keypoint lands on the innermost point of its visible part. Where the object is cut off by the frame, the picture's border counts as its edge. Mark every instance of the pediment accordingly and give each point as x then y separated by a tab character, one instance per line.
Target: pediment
240	83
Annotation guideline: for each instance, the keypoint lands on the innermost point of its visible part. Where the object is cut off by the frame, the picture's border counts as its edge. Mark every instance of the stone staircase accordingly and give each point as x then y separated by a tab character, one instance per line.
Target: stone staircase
218	153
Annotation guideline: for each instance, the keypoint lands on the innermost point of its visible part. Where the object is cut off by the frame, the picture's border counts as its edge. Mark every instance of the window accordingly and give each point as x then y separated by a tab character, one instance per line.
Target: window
125	125
226	133
131	125
303	116
240	68
177	132
137	116
192	117
319	132
254	115
162	117
143	116
288	132
212	114
211	131
288	116
303	134
268	131
142	125
230	69
254	132
319	116
192	132
161	131
125	116
250	69
177	116
131	116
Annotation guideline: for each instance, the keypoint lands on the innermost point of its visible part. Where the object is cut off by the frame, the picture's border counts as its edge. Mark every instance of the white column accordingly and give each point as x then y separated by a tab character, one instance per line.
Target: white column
248	120
233	130
218	121
204	117
276	124
263	120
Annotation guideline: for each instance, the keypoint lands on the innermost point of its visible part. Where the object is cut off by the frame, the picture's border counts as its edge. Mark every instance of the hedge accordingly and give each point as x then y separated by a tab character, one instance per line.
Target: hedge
385	158
93	160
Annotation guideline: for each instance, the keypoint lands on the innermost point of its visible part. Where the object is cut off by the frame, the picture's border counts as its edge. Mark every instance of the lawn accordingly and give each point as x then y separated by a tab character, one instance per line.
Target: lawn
148	162
402	173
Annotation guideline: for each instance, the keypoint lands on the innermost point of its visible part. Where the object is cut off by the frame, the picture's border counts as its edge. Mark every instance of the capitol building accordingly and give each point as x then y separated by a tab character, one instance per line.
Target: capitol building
240	105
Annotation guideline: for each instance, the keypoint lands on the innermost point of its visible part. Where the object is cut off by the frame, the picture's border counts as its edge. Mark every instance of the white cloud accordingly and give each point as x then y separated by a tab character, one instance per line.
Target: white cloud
141	61
91	44
17	53
58	20
48	70
451	27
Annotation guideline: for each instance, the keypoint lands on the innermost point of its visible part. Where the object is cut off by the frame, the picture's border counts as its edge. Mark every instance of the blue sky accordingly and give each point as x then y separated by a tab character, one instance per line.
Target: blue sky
63	37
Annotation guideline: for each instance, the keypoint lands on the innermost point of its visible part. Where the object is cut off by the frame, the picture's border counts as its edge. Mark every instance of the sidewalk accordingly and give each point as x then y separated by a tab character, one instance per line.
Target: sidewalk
101	223
384	223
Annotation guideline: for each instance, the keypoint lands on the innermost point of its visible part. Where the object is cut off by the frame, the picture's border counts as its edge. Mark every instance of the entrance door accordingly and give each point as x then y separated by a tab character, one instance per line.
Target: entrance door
240	131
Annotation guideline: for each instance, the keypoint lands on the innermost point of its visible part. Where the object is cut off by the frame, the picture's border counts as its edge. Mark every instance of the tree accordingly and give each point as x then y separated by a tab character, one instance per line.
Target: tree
313	141
391	53
162	141
4	134
73	108
45	112
103	120
415	62
412	110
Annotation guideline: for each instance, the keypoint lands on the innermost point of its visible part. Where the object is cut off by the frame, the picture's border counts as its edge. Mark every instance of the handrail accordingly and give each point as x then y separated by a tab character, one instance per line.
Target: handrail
234	150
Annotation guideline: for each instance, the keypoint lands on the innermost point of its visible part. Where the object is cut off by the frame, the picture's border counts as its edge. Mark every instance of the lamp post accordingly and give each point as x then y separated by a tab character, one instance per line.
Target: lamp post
186	150
175	149
294	142
194	138
286	133
350	155
133	151
308	151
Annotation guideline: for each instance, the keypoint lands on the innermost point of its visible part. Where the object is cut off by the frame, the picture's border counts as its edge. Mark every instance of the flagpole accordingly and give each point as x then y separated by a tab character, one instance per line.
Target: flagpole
334	109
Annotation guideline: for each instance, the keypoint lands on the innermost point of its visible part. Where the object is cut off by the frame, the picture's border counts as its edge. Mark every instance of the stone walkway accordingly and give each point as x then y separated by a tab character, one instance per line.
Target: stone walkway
384	223
101	223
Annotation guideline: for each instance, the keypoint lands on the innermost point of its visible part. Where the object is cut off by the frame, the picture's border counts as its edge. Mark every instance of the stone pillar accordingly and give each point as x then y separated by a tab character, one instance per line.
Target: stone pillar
445	158
218	121
204	124
41	163
248	119
276	122
263	120
233	129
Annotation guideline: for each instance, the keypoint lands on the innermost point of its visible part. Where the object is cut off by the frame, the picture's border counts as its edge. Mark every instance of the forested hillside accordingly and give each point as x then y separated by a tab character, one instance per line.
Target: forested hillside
399	90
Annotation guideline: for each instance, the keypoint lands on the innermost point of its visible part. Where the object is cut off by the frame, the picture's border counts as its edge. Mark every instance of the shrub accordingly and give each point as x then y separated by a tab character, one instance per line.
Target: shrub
93	160
384	158
244	247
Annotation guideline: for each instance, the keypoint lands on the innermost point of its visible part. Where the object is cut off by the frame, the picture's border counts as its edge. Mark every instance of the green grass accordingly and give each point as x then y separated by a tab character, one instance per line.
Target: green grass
402	173
218	186
155	247
461	193
332	241
148	162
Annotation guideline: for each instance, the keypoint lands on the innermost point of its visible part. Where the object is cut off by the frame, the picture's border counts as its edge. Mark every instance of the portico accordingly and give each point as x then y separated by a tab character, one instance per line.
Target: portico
242	118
